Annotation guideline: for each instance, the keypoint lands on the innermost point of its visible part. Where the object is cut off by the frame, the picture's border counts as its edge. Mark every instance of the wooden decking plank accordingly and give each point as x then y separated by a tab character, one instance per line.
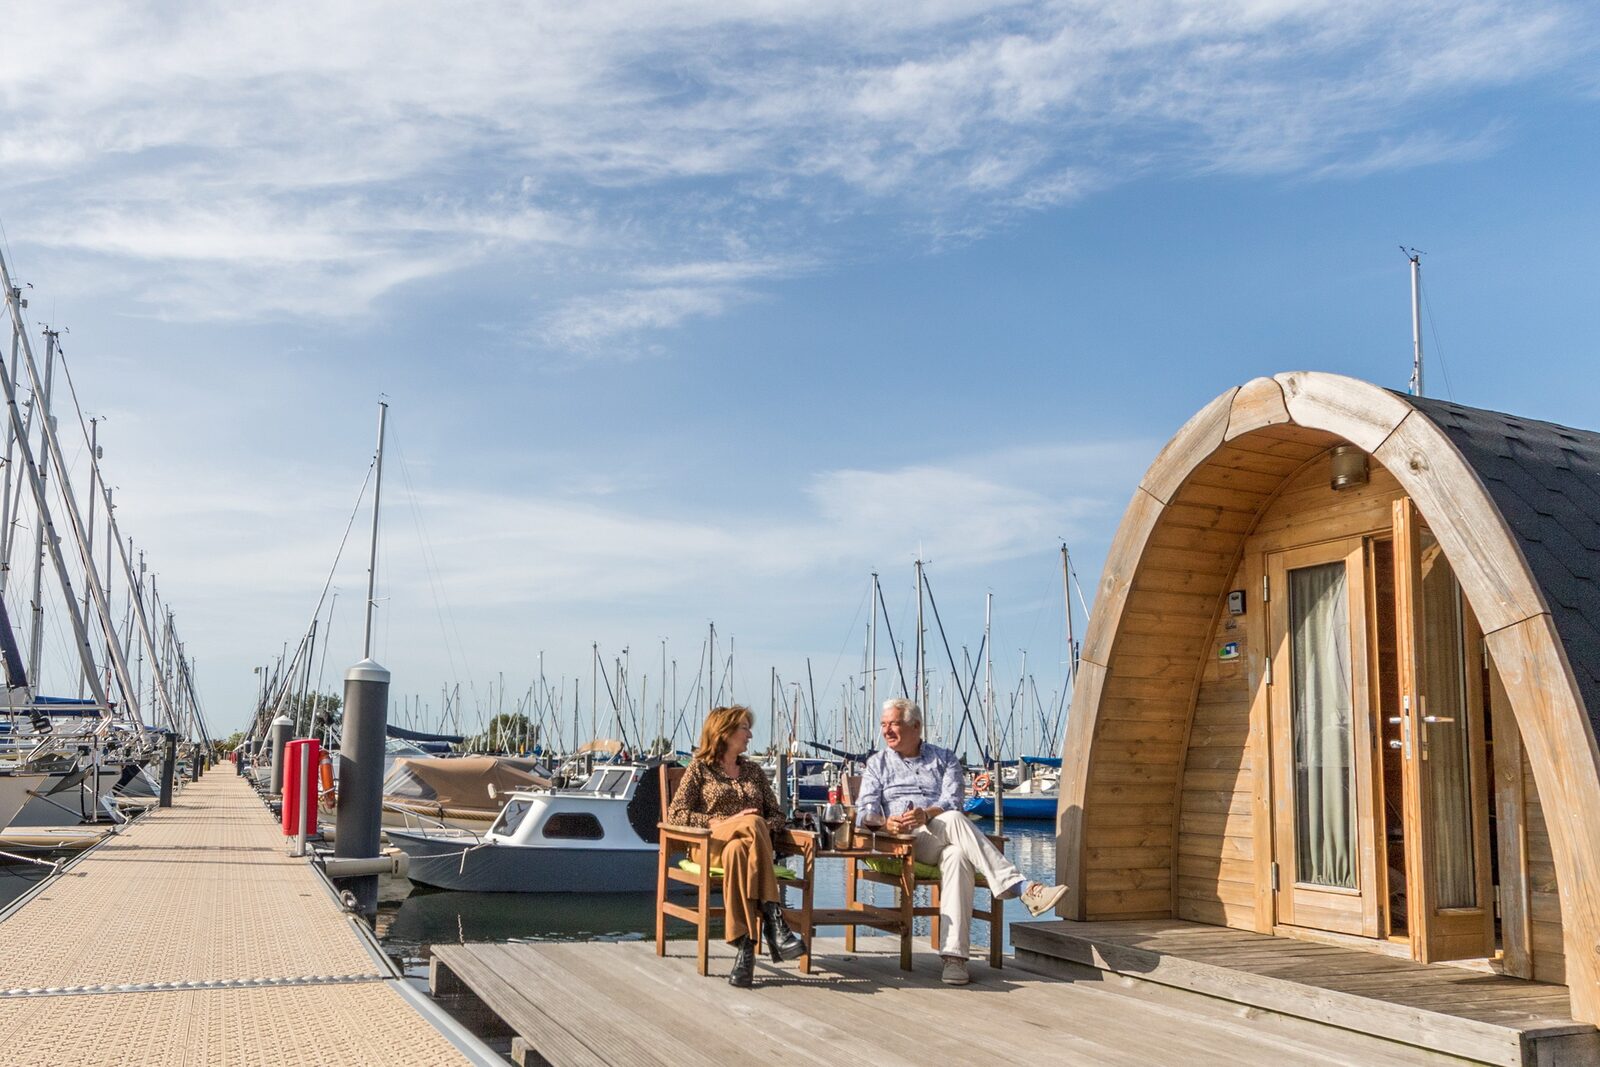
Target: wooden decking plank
608	974
1335	1007
1293	1040
513	1005
764	1005
562	1000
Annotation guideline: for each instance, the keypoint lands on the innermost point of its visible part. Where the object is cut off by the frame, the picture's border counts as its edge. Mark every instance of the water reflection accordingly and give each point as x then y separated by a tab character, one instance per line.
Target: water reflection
412	918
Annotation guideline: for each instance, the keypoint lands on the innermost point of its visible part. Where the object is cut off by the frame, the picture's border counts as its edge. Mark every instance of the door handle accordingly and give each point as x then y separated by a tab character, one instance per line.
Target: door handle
1394	720
1436	718
1395	743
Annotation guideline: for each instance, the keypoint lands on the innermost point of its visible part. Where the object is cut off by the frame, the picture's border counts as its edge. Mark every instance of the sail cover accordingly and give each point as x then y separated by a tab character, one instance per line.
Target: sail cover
460	783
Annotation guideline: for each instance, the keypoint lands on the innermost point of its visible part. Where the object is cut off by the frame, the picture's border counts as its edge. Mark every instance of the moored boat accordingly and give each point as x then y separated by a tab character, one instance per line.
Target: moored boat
600	838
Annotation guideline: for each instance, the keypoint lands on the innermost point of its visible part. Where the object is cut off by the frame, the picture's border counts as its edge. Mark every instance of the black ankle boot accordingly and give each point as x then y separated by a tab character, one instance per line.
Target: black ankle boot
782	942
744	964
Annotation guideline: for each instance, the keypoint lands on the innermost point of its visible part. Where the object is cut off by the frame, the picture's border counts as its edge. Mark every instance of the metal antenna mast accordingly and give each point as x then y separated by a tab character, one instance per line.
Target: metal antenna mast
1415	256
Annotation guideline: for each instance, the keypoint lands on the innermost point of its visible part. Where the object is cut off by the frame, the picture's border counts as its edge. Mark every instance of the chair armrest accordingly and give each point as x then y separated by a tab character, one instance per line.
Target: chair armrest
895	844
791	841
687	832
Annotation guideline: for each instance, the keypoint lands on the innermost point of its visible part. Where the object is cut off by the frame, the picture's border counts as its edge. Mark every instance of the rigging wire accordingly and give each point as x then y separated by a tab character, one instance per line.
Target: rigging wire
1438	349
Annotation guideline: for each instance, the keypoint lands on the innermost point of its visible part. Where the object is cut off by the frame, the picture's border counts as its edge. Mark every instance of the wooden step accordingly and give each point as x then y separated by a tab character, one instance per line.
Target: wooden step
1479	1016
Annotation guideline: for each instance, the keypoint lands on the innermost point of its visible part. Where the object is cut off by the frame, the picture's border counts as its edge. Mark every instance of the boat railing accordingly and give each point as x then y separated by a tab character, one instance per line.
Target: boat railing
415	820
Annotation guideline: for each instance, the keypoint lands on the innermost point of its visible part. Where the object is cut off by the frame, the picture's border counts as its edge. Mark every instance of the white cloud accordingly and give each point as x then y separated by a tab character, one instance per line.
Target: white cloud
604	325
346	151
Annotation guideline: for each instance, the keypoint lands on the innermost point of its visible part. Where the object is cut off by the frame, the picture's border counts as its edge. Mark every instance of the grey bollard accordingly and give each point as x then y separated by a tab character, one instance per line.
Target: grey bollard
282	727
359	818
194	764
169	768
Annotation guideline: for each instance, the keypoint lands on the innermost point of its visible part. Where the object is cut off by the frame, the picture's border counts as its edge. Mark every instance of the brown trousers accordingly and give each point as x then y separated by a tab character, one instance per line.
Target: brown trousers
742	847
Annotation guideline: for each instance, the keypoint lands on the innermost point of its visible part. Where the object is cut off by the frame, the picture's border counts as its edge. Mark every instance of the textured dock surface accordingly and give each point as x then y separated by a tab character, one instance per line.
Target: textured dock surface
193	938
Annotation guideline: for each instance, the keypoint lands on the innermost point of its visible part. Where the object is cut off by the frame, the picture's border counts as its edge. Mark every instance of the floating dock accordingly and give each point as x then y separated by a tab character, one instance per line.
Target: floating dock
192	938
596	1003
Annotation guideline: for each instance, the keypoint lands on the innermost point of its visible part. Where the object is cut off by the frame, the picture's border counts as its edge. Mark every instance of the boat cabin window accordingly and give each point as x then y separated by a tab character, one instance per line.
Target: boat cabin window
510	817
574	824
614	781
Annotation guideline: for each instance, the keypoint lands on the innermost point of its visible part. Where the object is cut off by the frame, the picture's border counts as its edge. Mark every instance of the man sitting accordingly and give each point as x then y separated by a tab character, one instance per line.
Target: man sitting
916	788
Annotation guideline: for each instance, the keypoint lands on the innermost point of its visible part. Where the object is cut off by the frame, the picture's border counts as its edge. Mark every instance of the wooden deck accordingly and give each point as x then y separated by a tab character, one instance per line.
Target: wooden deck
191	937
594	1003
1473	1014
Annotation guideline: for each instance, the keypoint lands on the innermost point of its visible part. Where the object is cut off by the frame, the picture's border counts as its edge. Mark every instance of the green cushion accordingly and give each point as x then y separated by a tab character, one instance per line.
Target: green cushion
888	865
783	873
924	872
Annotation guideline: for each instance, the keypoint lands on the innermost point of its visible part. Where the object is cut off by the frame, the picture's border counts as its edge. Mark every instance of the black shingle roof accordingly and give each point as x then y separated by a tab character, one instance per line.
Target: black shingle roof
1545	479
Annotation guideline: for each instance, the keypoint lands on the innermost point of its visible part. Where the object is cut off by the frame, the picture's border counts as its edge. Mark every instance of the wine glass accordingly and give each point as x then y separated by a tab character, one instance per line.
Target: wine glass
833	817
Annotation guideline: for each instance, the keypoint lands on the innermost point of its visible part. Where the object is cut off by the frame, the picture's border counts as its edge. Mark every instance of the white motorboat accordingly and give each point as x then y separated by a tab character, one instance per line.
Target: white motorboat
600	838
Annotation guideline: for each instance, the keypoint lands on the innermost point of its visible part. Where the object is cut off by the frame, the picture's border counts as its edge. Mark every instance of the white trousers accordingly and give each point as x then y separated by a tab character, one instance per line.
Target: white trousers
961	852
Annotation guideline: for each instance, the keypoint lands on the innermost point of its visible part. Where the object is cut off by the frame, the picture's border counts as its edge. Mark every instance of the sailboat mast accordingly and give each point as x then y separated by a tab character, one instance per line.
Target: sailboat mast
919	696
1066	592
872	656
41	403
372	559
11	442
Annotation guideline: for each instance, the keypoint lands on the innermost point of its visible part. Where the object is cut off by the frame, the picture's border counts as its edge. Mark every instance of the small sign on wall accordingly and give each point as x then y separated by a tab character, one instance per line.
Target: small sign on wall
1229	651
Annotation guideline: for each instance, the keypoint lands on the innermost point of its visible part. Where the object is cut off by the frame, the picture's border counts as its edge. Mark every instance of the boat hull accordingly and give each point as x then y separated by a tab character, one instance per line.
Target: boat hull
1015	807
458	862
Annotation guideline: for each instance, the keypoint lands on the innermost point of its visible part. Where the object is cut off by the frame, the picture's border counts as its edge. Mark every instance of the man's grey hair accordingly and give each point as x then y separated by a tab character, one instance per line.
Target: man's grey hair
907	708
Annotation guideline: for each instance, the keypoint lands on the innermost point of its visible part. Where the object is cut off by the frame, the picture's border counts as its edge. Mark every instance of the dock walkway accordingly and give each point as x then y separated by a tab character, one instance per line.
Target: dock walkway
192	938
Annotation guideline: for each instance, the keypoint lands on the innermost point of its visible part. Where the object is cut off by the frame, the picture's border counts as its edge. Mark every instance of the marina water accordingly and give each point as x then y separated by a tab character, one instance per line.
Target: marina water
412	918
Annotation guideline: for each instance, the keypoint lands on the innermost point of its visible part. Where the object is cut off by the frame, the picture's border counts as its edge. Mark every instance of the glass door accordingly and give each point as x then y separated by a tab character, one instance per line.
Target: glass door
1446	807
1325	865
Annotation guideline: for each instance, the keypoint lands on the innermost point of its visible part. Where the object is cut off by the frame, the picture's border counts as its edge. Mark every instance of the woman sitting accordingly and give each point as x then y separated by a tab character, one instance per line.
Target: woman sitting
734	798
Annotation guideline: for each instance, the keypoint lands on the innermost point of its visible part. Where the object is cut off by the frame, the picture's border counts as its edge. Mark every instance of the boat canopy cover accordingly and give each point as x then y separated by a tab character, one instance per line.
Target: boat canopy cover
61	707
1043	761
644	807
602	746
462	783
857	757
417	735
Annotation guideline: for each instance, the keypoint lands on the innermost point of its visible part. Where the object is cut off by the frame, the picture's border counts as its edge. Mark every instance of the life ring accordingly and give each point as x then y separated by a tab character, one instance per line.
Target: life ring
329	798
981	783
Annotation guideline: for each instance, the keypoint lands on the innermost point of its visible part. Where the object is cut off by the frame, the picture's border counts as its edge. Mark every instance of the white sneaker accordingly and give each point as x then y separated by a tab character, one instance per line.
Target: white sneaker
955	971
1041	898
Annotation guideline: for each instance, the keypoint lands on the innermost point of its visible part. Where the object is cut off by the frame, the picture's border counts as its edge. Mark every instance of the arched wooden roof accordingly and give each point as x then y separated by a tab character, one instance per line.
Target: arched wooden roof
1514	506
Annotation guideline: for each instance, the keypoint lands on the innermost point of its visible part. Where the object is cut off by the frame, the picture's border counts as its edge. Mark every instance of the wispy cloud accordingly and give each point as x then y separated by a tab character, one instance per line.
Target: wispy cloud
668	158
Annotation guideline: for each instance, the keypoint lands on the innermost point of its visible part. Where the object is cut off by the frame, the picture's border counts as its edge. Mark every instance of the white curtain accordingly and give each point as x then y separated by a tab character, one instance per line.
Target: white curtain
1324	796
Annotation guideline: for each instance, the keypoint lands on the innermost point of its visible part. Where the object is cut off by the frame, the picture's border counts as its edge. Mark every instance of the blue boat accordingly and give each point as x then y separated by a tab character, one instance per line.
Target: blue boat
1034	798
1017	806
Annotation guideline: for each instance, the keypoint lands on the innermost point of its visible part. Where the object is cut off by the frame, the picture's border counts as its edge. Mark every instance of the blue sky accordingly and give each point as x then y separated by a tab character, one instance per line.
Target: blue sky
693	313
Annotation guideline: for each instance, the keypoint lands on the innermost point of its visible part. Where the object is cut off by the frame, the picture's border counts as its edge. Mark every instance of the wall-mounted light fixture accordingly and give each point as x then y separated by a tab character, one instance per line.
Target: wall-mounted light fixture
1349	467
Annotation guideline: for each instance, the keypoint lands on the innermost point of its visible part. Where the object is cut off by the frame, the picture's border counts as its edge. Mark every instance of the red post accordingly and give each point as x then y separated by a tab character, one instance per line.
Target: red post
299	786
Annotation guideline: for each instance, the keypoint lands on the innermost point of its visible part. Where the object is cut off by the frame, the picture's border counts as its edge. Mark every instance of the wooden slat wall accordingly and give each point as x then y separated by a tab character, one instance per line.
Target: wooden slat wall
1549	955
1131	865
1217	819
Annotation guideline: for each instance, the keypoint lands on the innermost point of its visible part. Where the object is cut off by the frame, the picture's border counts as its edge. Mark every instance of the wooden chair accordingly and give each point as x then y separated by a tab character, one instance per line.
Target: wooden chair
685	858
890	872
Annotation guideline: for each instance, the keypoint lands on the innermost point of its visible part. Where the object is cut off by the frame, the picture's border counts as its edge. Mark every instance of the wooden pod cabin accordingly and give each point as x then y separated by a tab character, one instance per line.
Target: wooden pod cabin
1342	683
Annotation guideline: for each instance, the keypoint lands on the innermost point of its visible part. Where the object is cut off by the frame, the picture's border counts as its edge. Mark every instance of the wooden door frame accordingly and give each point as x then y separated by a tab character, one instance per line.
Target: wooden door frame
1355	911
1439	933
